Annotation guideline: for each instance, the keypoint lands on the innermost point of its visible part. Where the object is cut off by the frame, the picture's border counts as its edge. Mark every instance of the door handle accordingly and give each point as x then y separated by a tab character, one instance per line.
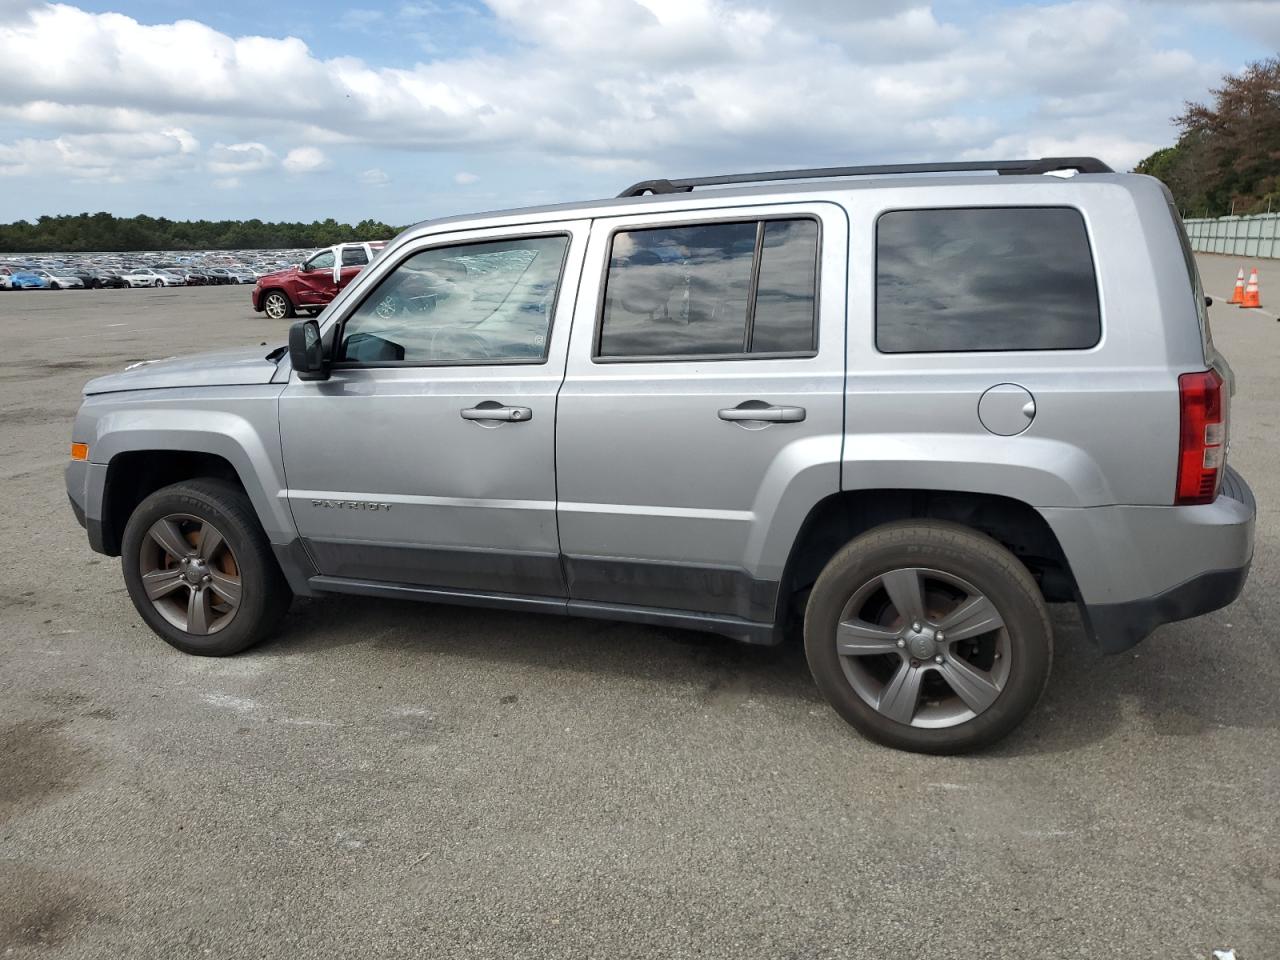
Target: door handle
766	412
493	411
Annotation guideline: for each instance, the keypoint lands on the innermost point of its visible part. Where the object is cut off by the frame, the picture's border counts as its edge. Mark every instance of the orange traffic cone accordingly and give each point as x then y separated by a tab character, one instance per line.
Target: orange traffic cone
1251	296
1237	295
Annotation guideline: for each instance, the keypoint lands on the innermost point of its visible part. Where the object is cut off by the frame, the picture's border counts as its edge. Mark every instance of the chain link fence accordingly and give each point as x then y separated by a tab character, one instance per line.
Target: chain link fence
1256	236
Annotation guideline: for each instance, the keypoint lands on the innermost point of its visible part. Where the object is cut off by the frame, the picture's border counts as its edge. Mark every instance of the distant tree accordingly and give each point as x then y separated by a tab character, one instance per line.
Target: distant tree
1228	154
87	232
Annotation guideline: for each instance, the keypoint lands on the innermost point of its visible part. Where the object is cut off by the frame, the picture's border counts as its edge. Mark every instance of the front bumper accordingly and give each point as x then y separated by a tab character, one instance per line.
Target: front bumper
1137	567
86	487
256	297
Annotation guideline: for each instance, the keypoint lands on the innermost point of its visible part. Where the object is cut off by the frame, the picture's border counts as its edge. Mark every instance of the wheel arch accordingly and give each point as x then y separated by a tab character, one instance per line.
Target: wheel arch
140	461
836	519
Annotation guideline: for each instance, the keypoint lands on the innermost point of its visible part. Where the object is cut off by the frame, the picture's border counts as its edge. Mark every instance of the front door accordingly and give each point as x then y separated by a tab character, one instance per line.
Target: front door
702	410
316	282
428	457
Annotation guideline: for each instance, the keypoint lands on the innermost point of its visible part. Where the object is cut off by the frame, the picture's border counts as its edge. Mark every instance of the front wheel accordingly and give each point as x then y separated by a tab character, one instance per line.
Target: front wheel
54	286
928	636
277	306
158	283
199	569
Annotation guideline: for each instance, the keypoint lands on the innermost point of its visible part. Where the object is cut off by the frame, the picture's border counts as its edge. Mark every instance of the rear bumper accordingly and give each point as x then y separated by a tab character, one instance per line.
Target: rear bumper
1137	567
1118	626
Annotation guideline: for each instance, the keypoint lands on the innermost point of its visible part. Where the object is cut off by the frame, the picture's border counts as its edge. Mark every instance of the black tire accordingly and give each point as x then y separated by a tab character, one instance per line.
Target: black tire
286	308
54	286
265	595
157	283
953	550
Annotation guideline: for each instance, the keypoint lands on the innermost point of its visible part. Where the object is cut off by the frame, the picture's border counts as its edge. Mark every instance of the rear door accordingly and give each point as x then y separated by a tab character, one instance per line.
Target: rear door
355	257
702	404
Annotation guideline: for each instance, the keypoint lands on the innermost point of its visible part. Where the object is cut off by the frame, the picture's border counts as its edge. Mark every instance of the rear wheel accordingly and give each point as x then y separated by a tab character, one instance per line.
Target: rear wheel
277	306
928	636
157	283
199	568
53	285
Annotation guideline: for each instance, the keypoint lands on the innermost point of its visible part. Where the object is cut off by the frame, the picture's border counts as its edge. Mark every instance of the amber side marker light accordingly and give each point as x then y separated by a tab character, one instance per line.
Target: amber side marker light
79	451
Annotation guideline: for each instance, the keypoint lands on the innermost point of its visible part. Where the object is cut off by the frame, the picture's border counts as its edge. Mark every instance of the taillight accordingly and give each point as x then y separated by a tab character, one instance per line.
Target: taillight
1202	448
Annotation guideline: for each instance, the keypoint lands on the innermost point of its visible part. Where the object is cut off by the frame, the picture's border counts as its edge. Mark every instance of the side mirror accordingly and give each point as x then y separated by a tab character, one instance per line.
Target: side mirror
306	352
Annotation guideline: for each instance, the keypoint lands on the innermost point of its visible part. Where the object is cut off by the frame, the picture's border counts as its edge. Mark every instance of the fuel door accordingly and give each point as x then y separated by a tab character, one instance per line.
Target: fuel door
1007	409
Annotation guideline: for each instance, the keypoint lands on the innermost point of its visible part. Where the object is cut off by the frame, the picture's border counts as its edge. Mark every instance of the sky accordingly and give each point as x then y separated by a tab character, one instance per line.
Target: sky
412	109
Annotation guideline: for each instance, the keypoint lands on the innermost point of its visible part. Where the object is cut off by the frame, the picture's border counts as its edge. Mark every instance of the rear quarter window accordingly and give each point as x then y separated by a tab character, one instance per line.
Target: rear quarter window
985	279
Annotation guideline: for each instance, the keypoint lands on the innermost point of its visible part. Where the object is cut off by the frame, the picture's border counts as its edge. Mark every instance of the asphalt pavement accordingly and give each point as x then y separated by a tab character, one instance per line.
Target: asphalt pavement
395	779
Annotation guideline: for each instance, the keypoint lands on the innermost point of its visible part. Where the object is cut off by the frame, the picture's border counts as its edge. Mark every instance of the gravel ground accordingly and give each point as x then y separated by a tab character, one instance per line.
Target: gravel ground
395	779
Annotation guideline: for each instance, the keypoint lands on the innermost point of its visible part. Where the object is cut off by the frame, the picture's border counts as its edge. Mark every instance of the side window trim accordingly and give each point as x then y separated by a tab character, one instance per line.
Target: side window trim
411	251
1089	249
753	289
760	220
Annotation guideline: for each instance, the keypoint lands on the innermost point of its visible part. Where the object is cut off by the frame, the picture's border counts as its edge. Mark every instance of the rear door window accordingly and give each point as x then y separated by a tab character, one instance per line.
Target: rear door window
985	279
732	289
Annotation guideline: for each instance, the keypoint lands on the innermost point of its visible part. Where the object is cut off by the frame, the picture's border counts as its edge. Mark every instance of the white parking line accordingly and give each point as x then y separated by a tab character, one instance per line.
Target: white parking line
1224	303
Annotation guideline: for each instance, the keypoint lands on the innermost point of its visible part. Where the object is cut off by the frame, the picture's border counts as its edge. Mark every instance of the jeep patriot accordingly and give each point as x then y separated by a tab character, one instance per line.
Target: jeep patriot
899	409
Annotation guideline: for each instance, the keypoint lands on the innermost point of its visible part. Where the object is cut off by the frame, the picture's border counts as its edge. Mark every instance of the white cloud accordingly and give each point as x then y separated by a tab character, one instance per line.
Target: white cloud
237	158
375	177
111	157
649	86
462	178
226	183
305	160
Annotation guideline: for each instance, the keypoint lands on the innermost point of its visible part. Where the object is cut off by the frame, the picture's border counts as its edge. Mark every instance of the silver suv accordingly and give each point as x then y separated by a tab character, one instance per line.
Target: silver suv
902	412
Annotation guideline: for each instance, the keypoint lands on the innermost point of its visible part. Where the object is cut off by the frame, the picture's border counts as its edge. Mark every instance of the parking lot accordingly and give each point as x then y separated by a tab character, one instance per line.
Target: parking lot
397	779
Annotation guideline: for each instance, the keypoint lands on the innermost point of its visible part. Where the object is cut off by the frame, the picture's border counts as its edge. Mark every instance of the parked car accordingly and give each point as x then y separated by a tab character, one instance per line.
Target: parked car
146	278
60	280
193	278
882	409
314	282
28	280
5	273
99	279
173	278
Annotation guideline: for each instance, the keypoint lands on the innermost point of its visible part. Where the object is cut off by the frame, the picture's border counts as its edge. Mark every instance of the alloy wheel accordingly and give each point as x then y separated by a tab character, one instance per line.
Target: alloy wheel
923	647
190	574
276	307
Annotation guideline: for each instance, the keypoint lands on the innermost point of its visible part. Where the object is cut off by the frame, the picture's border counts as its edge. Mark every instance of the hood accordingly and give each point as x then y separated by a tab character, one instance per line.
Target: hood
241	366
279	274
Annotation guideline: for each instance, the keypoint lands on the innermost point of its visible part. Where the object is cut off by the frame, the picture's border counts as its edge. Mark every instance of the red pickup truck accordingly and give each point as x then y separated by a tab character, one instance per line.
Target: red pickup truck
314	282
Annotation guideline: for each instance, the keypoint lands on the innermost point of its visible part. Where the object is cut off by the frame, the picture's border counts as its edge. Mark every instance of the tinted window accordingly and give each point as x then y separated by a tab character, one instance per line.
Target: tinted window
984	279
482	302
784	321
354	257
686	291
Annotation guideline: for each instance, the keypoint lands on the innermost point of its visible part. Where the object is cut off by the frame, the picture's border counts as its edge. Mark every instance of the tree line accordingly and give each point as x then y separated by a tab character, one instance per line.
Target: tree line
104	232
1227	158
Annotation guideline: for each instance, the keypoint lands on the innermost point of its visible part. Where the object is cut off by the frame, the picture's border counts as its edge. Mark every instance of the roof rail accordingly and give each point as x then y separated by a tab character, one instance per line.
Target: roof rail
1003	167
